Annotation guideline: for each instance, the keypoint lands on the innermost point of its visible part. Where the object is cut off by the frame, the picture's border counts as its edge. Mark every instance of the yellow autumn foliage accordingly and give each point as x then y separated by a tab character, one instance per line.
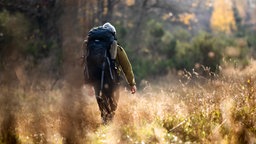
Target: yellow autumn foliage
186	18
130	2
222	17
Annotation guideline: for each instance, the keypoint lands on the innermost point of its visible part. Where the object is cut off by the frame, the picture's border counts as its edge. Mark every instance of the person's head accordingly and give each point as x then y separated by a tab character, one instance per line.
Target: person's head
110	27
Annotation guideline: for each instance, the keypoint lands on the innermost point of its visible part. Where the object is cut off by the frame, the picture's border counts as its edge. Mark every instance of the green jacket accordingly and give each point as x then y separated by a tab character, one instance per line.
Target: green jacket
125	65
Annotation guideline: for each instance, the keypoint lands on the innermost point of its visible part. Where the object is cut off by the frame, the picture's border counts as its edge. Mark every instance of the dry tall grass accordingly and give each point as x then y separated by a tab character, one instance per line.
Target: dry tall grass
221	110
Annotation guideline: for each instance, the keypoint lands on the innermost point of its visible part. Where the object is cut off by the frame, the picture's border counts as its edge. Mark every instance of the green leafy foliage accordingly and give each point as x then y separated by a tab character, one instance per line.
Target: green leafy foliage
28	32
200	51
179	50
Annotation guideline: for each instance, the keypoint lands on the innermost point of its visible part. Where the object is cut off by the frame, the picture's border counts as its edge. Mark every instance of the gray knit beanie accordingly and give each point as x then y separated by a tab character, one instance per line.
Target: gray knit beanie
110	27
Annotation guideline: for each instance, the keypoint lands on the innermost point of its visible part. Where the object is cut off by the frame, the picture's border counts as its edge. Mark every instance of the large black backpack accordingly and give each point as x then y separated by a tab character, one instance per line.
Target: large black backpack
98	45
99	64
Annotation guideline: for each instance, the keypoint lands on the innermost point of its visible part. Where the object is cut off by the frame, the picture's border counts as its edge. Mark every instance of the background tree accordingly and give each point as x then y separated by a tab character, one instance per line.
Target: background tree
222	17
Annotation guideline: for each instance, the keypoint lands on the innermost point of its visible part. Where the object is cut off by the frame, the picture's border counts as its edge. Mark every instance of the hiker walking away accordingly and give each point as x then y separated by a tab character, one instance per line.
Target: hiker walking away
104	62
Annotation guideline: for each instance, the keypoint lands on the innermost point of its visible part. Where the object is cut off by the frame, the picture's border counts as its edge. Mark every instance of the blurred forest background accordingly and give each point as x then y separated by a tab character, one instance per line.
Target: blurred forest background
160	36
41	74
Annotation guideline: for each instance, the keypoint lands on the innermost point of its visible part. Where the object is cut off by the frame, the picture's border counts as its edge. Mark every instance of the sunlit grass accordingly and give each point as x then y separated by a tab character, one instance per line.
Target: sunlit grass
218	110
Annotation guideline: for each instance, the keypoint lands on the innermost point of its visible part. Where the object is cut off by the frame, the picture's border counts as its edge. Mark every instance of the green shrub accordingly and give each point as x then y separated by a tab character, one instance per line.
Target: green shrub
209	50
156	29
182	34
209	55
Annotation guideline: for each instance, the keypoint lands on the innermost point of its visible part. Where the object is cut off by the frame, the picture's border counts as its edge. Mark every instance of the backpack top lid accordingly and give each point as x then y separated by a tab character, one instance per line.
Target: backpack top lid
102	34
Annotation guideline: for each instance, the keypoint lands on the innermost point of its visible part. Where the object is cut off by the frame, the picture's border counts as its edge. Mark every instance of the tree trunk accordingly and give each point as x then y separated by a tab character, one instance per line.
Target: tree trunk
110	6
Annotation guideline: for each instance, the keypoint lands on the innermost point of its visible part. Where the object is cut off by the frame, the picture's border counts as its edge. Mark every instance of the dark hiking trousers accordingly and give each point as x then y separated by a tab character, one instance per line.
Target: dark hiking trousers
107	94
107	99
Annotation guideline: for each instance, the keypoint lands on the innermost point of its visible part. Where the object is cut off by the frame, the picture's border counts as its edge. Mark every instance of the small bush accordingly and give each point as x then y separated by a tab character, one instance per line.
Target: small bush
200	50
